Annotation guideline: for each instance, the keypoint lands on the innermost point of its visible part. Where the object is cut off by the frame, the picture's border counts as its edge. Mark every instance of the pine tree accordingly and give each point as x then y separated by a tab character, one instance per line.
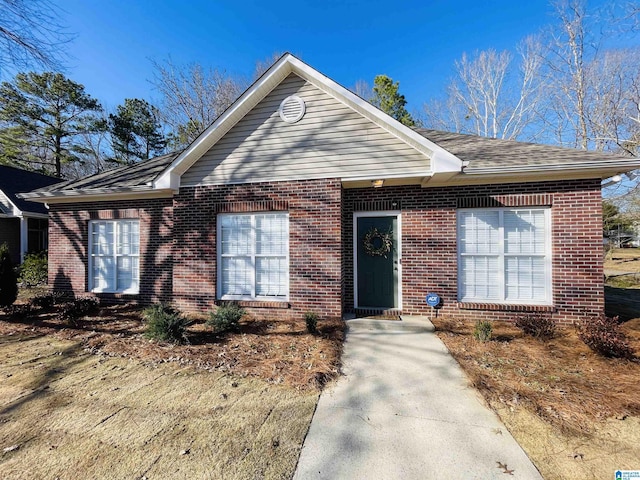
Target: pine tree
41	115
387	99
136	131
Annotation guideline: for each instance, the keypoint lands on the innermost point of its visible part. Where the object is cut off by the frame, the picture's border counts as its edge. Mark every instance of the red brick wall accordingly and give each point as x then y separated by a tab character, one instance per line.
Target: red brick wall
68	245
178	243
429	249
314	250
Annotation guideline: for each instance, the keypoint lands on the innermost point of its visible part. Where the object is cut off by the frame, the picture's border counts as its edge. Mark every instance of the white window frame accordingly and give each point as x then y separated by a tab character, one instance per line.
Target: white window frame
115	255
253	256
548	297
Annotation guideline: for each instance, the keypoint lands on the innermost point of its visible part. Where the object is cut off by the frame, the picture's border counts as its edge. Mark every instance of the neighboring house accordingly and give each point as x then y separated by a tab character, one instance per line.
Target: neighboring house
304	197
23	224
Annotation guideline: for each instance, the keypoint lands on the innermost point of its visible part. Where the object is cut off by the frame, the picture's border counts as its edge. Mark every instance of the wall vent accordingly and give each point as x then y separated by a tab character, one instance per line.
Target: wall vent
291	109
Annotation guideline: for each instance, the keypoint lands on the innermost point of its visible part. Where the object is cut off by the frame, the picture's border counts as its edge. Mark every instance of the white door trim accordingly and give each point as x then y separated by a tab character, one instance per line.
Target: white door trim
381	213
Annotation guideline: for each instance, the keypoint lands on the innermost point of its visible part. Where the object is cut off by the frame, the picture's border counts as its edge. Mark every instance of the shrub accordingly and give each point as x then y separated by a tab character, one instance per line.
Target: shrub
165	323
18	310
8	278
537	325
78	308
226	318
33	270
602	334
482	330
311	319
46	301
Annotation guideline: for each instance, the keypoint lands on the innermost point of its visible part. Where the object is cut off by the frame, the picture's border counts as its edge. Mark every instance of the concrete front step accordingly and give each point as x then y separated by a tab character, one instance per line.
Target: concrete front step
407	323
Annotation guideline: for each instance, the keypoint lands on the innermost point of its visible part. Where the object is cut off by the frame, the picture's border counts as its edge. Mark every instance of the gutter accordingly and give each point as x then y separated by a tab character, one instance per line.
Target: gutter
625	165
97	194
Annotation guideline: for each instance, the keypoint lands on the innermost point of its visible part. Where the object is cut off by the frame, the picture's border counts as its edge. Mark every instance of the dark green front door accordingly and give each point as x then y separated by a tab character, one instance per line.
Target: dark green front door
377	262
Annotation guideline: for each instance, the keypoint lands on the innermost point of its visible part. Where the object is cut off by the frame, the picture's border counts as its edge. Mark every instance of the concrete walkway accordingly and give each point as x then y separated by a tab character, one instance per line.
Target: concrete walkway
404	410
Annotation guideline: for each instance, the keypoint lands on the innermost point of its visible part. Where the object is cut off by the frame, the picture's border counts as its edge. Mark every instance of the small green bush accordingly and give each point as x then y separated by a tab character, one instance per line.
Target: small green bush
537	325
8	278
165	323
602	334
311	319
482	330
46	301
226	318
80	307
33	270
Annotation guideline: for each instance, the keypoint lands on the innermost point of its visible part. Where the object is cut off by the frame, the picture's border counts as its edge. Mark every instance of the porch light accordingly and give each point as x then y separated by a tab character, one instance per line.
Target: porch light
377	183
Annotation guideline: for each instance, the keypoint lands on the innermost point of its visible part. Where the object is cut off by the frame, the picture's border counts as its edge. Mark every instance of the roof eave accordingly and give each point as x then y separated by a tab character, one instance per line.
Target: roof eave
526	174
98	194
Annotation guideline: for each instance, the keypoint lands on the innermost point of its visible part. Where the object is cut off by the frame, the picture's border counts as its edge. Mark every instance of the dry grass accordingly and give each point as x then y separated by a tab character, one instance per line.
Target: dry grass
560	400
279	352
76	415
622	260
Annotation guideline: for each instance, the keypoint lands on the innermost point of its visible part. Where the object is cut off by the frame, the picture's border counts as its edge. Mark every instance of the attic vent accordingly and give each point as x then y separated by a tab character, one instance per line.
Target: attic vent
291	109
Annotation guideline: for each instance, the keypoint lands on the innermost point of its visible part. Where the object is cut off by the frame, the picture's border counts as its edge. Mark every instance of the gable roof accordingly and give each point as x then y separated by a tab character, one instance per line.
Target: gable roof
441	160
14	181
454	159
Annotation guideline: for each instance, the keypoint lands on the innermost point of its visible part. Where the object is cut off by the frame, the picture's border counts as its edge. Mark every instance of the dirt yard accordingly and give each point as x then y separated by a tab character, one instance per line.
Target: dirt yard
99	400
68	414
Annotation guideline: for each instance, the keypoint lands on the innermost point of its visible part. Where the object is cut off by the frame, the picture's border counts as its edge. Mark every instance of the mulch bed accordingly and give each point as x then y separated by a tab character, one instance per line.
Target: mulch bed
278	351
561	380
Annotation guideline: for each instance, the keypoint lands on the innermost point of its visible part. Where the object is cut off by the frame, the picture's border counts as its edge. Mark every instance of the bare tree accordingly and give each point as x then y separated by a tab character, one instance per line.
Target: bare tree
490	95
192	97
31	34
363	89
264	65
568	52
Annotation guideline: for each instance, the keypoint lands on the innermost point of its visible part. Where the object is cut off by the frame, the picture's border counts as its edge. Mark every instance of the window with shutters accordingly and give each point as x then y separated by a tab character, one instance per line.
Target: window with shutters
114	247
504	255
253	256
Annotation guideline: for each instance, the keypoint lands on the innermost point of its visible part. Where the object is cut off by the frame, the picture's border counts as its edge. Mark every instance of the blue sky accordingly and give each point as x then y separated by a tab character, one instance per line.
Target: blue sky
415	43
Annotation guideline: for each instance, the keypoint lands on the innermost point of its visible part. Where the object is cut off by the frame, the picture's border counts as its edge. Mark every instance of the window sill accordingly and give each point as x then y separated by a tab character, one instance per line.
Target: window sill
504	307
258	303
115	292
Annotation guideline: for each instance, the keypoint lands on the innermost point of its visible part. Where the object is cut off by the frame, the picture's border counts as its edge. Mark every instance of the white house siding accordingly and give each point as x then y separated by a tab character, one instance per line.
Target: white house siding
330	141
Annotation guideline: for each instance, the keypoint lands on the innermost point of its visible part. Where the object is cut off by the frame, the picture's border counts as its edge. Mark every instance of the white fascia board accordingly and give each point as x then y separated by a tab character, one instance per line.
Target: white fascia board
441	160
97	195
16	212
42	216
170	178
606	166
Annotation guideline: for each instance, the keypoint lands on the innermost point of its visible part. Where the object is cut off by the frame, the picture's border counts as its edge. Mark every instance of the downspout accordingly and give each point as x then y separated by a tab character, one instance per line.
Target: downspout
24	232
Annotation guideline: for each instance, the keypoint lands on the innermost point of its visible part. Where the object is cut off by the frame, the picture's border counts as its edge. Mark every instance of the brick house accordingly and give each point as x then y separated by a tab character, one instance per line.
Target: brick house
23	224
304	197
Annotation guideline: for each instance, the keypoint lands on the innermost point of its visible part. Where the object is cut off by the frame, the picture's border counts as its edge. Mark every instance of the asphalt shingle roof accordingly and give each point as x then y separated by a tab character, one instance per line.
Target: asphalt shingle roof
479	152
482	152
14	181
138	174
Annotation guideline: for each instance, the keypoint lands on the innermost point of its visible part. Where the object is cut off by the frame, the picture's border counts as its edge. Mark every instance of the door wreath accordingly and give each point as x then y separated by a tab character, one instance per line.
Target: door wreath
376	243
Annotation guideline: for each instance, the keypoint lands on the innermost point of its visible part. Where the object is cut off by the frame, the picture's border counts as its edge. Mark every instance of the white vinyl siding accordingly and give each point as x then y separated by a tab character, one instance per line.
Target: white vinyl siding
114	263
504	255
253	256
330	141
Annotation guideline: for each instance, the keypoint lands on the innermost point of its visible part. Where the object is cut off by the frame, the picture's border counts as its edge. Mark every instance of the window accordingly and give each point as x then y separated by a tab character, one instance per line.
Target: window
114	261
504	255
253	256
37	234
